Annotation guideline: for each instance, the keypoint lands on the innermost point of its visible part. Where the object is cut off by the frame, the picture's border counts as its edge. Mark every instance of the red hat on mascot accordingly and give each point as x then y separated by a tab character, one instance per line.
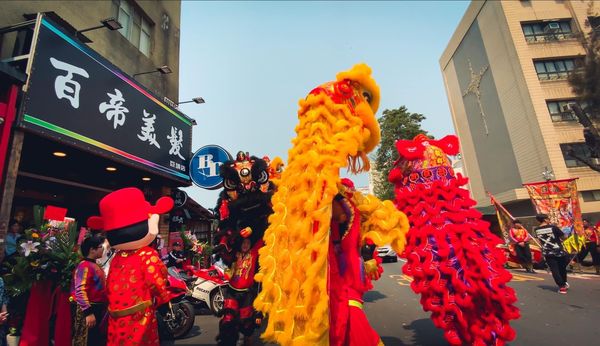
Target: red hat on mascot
130	222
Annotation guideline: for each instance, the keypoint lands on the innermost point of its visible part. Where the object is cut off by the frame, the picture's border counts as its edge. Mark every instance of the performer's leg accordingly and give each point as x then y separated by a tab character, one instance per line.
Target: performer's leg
247	324
359	331
228	326
80	332
595	256
97	334
520	252
527	258
582	254
562	266
554	265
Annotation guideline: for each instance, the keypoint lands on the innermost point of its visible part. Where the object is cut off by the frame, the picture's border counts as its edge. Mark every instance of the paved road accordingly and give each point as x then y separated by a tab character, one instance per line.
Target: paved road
548	318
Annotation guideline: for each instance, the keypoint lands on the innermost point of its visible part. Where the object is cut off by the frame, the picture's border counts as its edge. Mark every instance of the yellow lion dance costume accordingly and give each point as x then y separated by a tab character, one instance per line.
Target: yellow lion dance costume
337	129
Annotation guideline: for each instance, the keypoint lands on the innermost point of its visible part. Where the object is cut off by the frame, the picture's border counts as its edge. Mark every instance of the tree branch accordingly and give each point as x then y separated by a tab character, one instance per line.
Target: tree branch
585	161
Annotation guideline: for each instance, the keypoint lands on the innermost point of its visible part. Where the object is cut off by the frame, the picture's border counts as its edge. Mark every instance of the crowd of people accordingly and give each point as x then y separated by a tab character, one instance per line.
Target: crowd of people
88	294
550	239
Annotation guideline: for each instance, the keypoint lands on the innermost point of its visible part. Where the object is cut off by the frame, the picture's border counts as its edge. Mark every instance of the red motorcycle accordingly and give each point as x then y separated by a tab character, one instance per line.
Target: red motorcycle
179	319
206	287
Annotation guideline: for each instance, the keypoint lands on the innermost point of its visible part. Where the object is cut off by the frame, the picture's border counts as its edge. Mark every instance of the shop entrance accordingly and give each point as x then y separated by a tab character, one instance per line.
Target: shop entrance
51	173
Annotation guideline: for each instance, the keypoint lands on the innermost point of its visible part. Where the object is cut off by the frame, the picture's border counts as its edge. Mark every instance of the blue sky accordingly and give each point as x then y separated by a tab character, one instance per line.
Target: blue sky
253	61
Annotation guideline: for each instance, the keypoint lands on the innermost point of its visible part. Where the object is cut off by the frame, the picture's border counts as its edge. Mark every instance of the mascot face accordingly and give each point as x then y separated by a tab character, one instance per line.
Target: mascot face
357	90
366	92
424	160
244	176
130	222
151	233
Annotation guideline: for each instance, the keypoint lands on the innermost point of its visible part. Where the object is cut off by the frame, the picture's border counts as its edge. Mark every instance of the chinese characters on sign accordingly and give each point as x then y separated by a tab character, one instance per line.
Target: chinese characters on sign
147	132
176	140
114	108
64	86
98	108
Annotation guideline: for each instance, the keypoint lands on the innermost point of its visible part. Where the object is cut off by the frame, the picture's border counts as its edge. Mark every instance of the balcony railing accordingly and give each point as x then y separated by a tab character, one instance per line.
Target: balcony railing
554	75
549	37
564	116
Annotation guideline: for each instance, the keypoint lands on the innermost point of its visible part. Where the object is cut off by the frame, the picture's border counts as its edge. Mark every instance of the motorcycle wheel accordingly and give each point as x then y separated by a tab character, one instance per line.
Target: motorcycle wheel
216	301
182	322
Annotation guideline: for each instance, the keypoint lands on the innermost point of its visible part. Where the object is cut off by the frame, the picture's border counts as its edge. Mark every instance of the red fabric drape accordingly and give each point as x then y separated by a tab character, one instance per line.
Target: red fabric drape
62	310
36	329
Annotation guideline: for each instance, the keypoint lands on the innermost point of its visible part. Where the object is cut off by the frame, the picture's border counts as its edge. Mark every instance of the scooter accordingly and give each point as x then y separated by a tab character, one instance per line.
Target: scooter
178	320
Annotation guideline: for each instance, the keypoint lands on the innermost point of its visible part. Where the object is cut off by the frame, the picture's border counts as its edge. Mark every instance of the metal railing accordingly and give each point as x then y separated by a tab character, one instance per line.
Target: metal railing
549	37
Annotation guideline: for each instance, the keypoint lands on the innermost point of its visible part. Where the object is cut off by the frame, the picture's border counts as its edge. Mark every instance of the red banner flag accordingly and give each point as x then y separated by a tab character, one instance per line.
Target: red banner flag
558	199
505	219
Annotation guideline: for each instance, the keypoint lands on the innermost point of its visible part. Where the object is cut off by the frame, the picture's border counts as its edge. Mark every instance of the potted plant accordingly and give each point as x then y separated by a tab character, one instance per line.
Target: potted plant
13	337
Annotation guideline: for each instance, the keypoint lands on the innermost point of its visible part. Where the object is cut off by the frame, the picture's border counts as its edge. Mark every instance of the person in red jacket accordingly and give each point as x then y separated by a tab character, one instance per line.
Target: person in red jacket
88	292
352	267
520	238
136	284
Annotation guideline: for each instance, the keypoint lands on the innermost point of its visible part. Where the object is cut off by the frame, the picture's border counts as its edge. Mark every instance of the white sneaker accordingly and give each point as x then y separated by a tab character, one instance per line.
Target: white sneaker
567	285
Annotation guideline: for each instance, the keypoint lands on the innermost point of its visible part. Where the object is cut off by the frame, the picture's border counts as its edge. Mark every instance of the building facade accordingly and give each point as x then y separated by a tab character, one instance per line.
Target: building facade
505	71
81	113
149	37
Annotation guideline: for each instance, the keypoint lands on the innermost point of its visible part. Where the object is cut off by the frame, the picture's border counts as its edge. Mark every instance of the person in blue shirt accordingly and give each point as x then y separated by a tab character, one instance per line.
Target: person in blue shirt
12	237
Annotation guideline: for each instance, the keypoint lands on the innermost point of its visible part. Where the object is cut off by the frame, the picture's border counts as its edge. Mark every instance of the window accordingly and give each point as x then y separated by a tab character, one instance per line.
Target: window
548	31
580	150
559	110
554	69
590	196
136	28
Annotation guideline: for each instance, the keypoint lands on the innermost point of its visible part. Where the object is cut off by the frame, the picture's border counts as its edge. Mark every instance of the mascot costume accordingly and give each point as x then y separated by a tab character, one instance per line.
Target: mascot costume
243	208
311	269
137	280
452	255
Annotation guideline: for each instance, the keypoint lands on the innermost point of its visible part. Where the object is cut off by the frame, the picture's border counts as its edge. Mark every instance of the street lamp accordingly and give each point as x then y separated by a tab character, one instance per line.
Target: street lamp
163	70
110	23
197	100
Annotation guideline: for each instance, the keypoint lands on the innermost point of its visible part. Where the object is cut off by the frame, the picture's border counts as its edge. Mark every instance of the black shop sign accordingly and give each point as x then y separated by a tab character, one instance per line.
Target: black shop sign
76	96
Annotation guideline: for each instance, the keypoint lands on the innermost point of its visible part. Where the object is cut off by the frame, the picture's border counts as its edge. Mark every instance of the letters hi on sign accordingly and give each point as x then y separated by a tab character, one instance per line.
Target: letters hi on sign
204	166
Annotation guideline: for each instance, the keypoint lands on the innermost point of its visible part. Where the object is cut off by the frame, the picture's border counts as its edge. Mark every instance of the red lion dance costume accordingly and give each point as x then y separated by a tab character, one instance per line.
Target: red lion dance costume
137	280
452	255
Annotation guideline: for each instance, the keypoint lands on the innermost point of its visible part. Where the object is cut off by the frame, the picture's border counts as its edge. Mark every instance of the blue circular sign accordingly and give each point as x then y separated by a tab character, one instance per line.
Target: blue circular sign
204	166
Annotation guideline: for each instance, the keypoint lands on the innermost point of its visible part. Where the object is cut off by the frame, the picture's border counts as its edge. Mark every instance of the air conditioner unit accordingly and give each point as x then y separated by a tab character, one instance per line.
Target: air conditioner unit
566	108
553	26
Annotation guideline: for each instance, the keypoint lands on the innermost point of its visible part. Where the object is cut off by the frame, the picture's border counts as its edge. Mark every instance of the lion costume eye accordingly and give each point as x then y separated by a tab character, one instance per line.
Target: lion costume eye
244	172
229	184
263	177
367	96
